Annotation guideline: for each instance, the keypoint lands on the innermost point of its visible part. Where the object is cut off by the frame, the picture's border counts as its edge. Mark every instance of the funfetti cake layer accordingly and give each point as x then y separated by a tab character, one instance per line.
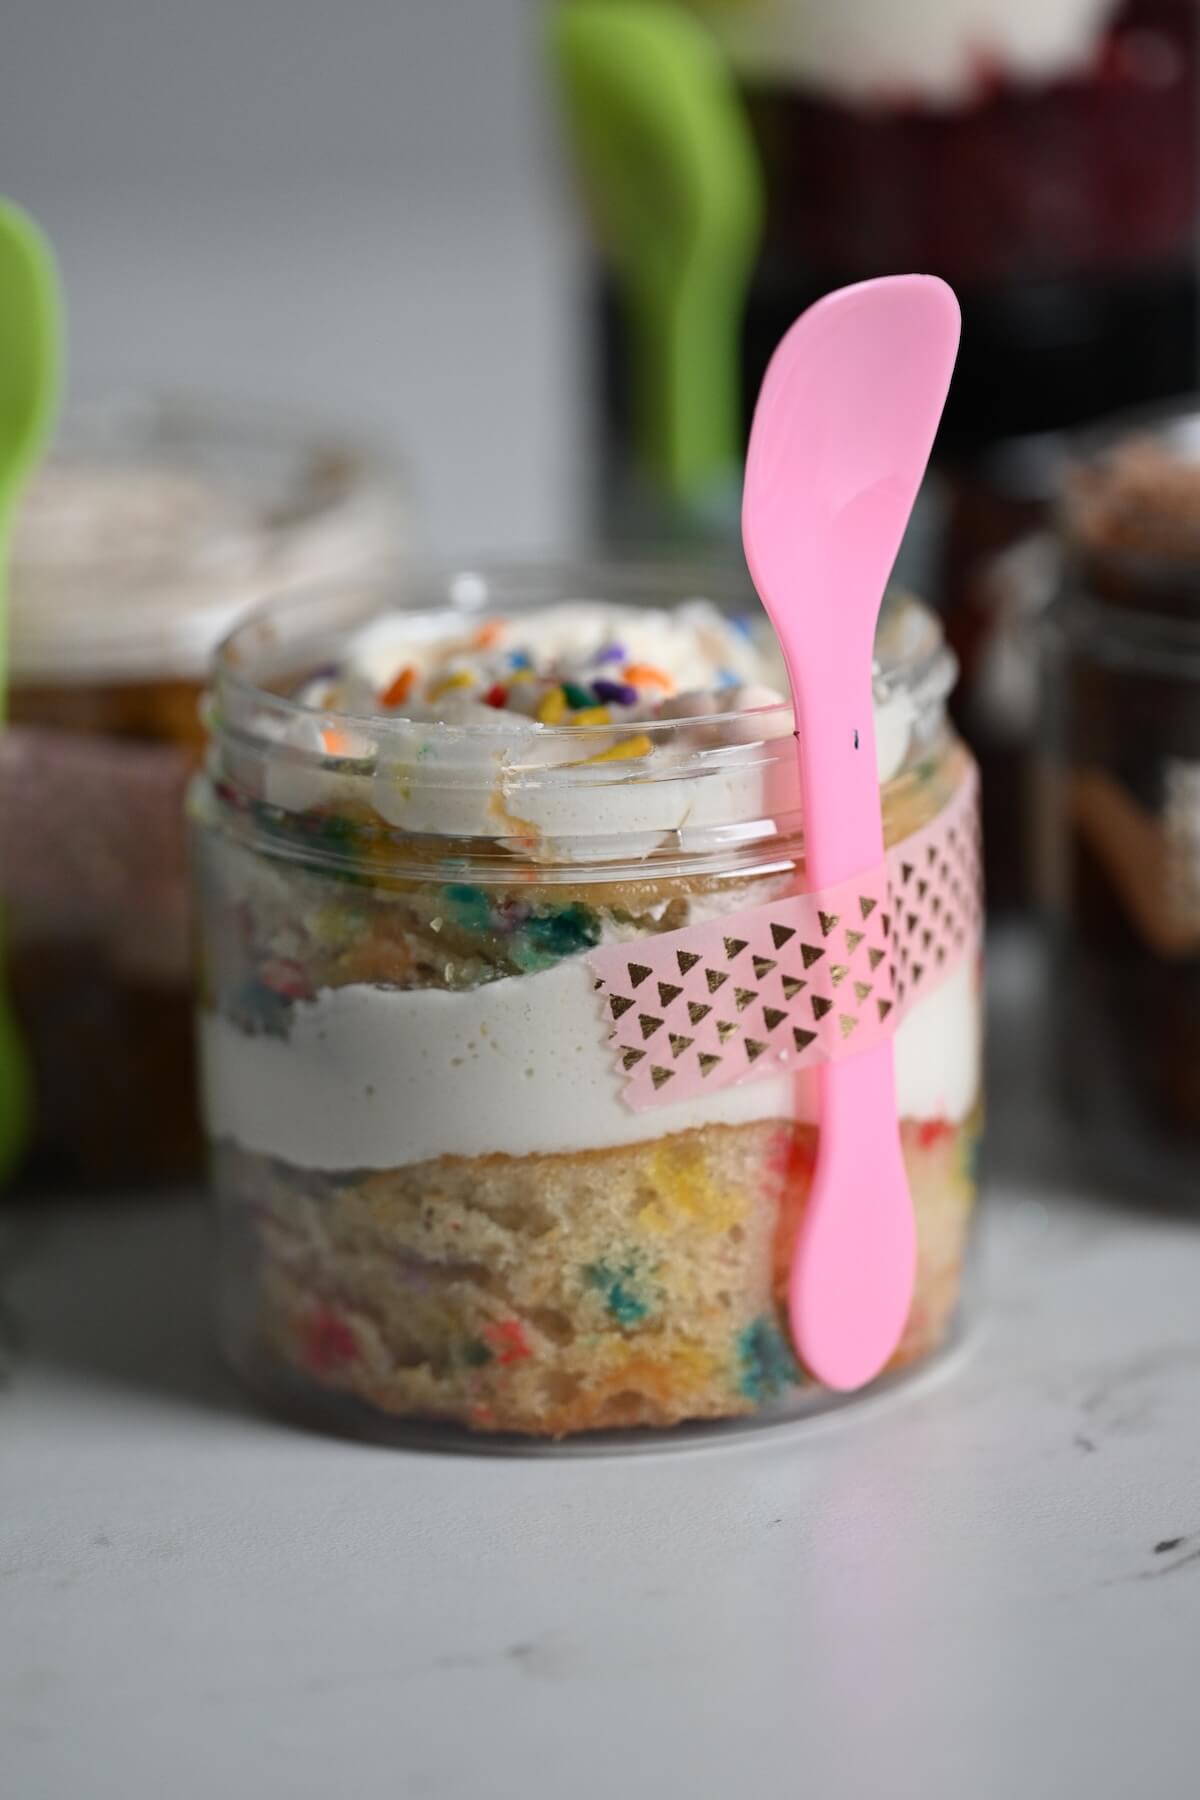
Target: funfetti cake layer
642	1285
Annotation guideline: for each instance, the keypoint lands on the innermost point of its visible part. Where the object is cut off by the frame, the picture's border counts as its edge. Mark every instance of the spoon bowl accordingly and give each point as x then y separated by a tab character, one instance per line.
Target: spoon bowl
674	185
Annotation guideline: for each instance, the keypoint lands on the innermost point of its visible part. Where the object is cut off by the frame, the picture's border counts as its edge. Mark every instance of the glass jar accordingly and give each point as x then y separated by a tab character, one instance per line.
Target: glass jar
152	527
1123	710
454	1181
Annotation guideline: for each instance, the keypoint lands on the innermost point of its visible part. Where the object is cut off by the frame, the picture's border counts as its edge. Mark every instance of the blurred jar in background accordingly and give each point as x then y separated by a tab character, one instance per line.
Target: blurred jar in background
1123	709
1042	156
151	528
991	140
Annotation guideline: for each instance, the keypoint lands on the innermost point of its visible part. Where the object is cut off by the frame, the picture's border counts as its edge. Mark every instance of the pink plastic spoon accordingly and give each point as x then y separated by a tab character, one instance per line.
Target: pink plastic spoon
842	432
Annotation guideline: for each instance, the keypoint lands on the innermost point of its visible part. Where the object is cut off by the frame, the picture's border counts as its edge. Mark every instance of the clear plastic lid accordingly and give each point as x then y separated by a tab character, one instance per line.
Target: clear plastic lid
157	521
705	783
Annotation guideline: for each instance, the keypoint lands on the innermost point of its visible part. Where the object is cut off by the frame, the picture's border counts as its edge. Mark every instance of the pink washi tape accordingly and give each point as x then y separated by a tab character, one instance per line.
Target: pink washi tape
803	980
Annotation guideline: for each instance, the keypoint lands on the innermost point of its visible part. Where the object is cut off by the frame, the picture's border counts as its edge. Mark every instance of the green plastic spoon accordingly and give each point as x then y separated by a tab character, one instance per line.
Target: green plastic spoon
674	185
29	380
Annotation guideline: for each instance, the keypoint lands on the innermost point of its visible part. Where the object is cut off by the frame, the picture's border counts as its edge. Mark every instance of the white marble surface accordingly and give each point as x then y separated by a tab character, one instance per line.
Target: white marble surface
987	1585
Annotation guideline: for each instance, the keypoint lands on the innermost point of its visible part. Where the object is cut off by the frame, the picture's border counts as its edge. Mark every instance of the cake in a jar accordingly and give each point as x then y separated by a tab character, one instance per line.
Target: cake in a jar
509	1038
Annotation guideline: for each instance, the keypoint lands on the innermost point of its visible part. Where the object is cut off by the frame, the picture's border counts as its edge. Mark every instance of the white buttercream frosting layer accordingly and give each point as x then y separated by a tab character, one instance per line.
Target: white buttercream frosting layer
380	1078
941	51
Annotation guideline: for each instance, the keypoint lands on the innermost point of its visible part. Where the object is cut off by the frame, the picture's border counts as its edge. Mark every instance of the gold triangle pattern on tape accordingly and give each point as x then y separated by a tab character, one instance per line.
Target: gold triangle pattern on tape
895	942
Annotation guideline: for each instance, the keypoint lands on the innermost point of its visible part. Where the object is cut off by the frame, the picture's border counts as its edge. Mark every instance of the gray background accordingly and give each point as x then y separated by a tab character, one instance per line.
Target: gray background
360	206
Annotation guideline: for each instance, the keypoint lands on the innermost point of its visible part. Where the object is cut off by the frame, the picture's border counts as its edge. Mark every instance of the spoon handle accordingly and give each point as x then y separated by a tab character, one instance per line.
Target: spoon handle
855	1257
835	740
855	1260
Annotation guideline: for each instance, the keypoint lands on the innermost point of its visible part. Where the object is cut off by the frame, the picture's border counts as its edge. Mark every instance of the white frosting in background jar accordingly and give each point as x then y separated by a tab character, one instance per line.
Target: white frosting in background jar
935	51
156	523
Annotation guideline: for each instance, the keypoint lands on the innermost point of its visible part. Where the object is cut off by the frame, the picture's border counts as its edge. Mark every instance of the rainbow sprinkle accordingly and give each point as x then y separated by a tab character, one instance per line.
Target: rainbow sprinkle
507	1340
626	751
646	675
619	1287
329	1342
462	678
553	709
398	690
766	1364
621	693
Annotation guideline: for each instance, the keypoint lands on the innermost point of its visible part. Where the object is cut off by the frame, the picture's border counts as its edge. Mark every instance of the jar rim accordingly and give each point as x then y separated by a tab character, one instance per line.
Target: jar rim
912	656
705	787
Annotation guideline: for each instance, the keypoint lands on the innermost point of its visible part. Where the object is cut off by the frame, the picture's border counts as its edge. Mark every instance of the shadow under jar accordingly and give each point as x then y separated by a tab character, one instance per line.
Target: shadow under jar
152	527
420	836
1123	714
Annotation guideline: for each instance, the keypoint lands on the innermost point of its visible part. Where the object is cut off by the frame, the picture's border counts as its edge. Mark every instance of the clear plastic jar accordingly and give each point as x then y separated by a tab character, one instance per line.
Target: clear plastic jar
152	527
1123	726
438	1200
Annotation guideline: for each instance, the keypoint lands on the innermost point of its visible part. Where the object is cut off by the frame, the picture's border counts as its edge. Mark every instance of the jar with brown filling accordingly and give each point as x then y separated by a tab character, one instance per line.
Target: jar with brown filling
152	526
1125	803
